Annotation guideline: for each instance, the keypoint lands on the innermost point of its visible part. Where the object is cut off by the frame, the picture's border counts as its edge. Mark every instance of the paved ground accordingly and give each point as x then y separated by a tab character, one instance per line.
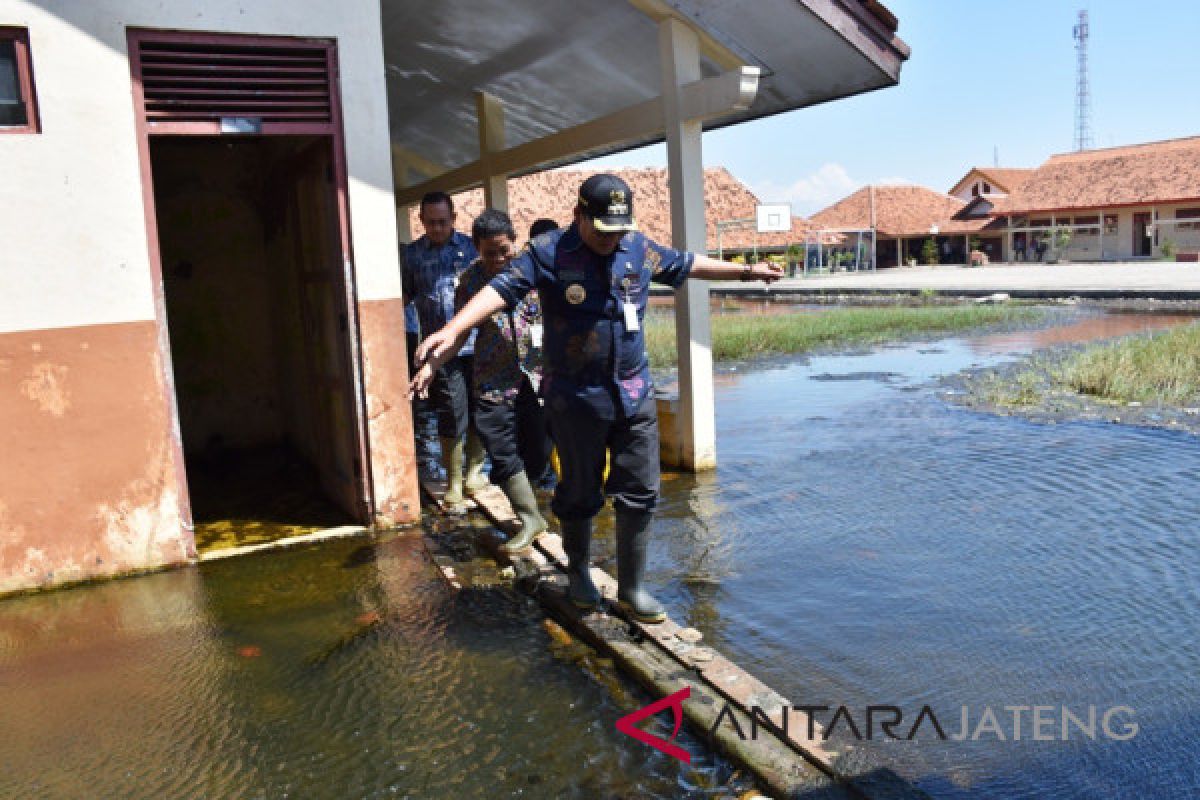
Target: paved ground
1166	279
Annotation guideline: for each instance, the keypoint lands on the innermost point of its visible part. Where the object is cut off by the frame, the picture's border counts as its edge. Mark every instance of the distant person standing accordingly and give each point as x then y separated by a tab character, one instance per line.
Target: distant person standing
430	270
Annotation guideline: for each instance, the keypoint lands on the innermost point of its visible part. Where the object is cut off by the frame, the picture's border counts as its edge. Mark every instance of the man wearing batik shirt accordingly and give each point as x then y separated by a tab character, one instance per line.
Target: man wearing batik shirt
430	269
508	372
593	280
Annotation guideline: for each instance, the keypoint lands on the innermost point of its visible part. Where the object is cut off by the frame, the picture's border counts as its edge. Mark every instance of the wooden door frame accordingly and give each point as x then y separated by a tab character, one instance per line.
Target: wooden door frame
334	130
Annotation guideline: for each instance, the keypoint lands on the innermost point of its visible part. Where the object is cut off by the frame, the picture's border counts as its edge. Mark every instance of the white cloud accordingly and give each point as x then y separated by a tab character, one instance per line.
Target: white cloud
808	195
811	193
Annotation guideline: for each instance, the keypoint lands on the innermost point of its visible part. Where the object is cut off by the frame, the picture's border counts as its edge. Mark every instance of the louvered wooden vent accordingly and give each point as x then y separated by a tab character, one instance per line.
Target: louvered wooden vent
200	82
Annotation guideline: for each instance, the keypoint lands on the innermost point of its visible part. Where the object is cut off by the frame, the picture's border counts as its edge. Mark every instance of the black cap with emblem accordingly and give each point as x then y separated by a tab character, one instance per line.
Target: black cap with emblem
608	200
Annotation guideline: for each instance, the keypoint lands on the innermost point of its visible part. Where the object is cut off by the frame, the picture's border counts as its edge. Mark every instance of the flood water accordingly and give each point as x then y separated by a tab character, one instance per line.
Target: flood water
863	542
343	670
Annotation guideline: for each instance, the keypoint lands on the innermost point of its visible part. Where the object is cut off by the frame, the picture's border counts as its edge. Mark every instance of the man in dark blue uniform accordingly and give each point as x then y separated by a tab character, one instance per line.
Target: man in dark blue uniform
593	279
430	267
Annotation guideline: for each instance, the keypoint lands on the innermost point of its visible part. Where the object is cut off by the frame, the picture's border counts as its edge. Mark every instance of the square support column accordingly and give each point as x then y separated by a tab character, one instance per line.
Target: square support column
679	51
490	114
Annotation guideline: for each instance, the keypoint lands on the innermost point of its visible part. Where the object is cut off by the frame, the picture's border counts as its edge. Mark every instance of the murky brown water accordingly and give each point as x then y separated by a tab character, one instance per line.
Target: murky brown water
862	542
1089	328
344	670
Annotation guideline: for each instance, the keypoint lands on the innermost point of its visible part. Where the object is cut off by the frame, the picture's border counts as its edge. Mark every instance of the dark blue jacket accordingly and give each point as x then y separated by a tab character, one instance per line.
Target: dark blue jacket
591	358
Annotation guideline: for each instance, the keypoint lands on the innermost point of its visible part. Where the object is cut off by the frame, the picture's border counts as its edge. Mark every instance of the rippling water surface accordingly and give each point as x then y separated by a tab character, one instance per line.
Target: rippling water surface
862	543
345	670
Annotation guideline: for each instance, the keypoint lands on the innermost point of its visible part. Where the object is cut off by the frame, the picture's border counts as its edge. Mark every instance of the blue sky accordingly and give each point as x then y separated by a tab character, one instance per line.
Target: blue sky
982	75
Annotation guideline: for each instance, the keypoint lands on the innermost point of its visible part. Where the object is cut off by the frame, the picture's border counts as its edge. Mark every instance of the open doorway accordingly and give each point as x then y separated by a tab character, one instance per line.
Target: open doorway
1143	242
256	310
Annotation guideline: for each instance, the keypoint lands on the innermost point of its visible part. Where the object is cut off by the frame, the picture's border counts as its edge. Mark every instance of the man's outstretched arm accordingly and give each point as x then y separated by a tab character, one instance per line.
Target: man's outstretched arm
710	269
441	346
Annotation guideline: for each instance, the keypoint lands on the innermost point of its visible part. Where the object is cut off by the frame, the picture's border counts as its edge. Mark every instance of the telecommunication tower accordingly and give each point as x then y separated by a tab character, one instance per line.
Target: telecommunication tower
1083	100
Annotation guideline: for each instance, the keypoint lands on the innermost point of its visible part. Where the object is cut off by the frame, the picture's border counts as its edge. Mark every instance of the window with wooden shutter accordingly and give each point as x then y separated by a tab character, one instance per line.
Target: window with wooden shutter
18	104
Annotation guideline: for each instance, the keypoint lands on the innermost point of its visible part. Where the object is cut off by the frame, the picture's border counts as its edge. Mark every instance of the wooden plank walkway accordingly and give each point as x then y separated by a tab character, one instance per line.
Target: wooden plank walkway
666	657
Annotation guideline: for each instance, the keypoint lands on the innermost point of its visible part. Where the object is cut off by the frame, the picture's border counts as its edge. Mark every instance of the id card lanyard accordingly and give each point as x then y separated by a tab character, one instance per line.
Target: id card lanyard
629	307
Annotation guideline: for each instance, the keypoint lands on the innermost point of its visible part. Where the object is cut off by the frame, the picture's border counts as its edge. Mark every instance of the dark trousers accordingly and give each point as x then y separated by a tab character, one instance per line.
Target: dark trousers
451	396
514	434
633	476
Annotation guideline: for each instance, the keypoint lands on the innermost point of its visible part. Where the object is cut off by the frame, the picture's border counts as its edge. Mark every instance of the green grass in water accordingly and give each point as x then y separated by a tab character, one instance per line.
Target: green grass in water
1157	368
737	337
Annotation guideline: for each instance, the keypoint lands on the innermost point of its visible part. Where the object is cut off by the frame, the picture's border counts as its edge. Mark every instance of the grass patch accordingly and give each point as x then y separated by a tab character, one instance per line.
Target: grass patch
1159	368
737	337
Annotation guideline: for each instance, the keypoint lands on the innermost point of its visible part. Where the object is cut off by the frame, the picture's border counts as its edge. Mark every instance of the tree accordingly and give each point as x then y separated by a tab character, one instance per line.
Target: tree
929	253
1060	238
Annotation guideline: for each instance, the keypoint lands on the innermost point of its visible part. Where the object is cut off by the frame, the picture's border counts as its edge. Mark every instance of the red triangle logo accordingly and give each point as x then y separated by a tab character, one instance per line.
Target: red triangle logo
675	702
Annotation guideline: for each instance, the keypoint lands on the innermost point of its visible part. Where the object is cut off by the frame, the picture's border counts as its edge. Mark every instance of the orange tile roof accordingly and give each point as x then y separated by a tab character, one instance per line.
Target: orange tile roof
899	211
1142	174
553	194
1006	179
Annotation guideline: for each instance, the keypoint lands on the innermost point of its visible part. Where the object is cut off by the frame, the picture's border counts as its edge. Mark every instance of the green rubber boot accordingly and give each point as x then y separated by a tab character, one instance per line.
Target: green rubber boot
452	460
524	503
577	543
475	453
633	534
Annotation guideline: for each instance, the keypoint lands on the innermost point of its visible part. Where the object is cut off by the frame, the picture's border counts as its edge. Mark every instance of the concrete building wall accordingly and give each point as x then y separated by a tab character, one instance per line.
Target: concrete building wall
1119	246
90	481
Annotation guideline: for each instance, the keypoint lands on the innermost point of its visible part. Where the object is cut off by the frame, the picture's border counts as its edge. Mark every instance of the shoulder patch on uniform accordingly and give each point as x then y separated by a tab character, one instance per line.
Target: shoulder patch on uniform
653	260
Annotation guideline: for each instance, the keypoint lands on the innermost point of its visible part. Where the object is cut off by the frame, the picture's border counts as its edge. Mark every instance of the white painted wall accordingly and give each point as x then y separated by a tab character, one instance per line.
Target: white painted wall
73	229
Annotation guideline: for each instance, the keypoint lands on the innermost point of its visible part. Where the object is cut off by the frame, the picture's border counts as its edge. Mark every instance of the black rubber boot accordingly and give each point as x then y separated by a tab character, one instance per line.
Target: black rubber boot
633	534
577	543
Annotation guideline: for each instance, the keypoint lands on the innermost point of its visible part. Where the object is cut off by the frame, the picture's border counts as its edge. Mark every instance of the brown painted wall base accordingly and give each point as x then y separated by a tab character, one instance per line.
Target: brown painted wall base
389	413
87	483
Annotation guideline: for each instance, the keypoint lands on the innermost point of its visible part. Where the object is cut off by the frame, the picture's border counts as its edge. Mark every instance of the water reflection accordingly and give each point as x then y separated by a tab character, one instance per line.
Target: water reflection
1086	329
340	670
874	545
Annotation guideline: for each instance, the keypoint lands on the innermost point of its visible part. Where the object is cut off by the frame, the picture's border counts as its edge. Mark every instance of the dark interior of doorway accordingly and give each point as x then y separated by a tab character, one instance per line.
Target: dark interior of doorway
255	300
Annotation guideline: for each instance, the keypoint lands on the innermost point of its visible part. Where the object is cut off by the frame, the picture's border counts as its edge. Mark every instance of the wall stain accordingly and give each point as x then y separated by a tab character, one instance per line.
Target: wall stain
47	387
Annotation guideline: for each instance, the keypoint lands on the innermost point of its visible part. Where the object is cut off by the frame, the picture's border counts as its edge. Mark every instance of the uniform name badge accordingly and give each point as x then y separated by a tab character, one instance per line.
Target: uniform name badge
576	294
631	317
535	335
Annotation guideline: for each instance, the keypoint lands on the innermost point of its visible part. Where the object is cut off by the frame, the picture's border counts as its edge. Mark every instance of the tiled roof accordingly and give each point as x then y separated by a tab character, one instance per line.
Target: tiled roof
553	194
1156	172
899	211
1003	179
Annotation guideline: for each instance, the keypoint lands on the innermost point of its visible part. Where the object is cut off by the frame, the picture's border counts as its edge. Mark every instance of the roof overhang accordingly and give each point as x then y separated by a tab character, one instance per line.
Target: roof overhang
578	80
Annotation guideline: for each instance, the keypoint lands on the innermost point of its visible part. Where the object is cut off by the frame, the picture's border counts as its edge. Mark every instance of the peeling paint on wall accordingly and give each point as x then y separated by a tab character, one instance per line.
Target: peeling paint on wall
46	386
87	479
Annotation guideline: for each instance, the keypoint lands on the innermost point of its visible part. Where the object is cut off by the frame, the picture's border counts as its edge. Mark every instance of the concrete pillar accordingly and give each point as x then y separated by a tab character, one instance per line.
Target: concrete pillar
679	52
403	226
490	114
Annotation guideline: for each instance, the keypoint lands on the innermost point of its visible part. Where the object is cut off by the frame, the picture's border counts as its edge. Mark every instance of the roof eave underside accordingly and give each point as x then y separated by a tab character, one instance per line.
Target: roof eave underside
557	65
